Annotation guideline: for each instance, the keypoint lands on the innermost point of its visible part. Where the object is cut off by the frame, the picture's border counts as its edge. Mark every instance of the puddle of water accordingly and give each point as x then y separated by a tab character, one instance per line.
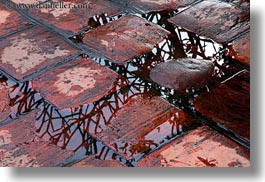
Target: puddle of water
74	129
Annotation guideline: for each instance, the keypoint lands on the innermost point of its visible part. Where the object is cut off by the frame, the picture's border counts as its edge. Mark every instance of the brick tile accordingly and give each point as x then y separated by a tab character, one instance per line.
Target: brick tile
10	21
146	6
184	74
32	50
93	162
142	125
78	82
240	49
124	39
4	100
75	19
214	19
202	147
24	148
229	104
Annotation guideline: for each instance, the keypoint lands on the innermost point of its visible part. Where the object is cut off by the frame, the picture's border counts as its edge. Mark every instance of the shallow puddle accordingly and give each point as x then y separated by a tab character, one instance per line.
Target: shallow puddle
79	129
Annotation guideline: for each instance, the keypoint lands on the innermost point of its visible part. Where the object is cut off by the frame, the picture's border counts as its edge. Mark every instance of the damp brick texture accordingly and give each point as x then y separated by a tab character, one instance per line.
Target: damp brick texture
108	83
11	21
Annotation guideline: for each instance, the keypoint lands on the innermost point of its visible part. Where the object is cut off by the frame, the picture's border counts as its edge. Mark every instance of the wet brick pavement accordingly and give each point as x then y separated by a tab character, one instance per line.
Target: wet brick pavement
125	84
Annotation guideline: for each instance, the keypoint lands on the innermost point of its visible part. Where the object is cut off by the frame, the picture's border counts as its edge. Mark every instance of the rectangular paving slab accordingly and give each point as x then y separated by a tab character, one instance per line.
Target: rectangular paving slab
78	82
144	124
20	147
214	19
73	16
124	39
10	21
202	147
229	104
32	50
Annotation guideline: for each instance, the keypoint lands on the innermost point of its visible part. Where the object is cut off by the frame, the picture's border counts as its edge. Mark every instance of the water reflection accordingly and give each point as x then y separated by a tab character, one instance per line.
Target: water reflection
79	129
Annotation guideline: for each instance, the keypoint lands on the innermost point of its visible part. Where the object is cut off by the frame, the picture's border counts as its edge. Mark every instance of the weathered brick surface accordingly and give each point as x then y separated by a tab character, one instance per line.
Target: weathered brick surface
184	74
146	6
78	82
215	19
32	50
240	49
124	39
229	104
201	148
142	125
75	19
92	162
4	100
20	147
10	21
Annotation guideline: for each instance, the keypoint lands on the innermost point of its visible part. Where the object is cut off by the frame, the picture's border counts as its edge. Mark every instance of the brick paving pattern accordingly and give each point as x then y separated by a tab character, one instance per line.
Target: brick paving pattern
125	84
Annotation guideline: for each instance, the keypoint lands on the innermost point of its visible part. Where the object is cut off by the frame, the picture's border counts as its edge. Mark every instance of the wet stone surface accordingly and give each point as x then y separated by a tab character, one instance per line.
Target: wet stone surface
240	49
202	147
93	161
10	21
113	39
30	51
215	19
229	104
184	75
77	82
24	148
146	6
111	107
144	124
72	20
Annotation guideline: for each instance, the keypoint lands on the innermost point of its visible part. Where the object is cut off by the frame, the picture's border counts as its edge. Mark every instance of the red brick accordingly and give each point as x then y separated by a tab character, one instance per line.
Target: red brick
74	19
20	147
32	50
4	100
10	21
126	38
142	125
229	104
93	162
240	49
78	82
214	19
202	147
146	6
184	74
